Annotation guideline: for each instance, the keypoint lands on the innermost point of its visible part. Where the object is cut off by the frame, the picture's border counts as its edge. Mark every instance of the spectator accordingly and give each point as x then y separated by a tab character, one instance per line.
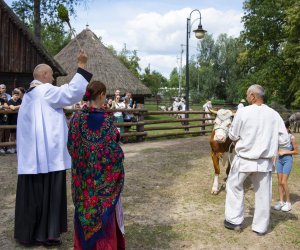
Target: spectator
206	107
3	92
14	104
176	104
22	92
109	103
117	92
258	131
97	186
3	121
117	104
131	102
43	158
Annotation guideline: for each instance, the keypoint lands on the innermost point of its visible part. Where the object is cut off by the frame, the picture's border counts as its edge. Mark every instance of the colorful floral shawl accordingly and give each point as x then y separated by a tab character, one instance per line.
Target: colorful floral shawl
97	171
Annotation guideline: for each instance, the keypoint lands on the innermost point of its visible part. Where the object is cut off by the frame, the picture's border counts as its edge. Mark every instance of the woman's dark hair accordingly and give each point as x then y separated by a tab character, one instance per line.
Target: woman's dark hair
94	89
287	124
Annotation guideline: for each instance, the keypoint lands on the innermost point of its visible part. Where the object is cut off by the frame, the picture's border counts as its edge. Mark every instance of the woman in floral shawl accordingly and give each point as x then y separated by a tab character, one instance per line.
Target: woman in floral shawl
97	174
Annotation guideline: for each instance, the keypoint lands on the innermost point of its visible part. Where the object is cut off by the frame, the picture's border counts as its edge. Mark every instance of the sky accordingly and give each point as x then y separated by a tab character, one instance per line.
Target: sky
157	28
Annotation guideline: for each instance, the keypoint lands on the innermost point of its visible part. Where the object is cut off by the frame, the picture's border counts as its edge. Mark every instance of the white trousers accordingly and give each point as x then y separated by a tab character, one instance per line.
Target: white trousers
234	206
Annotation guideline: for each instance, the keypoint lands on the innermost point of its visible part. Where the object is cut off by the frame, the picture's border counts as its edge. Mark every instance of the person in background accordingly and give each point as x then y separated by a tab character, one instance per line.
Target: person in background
117	92
131	102
3	92
43	158
206	107
257	131
97	174
284	167
117	104
241	104
3	121
109	103
14	104
22	92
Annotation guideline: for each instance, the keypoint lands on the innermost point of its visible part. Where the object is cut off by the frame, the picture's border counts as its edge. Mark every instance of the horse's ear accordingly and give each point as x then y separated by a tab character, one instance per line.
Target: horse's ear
212	111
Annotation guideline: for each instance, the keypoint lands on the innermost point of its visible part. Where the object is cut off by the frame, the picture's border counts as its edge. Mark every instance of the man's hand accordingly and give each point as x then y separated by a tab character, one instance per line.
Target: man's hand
82	59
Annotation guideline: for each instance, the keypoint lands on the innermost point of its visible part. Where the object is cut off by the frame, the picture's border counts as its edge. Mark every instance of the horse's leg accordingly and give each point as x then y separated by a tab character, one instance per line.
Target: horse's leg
215	187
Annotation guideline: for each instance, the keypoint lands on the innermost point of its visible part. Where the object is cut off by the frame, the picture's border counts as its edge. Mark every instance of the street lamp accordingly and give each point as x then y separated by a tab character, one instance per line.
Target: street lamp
199	33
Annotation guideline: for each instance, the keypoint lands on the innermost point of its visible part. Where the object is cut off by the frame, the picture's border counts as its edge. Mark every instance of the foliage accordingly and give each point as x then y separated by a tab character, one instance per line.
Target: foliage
215	71
48	9
153	80
174	79
271	54
129	58
42	18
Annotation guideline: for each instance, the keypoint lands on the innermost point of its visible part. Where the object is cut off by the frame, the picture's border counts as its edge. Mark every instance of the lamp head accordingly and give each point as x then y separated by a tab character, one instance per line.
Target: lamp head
199	32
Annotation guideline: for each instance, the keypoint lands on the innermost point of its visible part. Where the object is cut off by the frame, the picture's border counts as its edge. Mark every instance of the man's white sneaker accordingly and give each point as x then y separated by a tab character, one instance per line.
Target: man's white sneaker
279	205
2	151
287	207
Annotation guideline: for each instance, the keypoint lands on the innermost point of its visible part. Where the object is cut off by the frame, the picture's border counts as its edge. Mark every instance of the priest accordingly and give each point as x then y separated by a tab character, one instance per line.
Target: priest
43	158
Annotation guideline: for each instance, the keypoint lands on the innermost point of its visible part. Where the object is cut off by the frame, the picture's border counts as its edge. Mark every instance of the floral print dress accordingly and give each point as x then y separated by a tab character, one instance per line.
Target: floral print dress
97	172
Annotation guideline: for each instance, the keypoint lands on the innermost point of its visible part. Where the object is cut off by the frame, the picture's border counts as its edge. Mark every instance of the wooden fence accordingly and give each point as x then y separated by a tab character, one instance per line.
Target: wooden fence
145	122
154	124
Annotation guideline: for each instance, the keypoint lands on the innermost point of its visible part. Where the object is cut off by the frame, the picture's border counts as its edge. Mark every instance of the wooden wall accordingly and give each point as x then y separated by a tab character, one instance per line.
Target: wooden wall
19	51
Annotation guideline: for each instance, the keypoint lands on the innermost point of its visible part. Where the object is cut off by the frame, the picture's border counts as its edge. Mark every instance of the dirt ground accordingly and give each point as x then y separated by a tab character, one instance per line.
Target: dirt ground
167	202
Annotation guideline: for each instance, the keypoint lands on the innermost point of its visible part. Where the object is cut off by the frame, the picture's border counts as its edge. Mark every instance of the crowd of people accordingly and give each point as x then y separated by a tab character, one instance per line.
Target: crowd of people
9	102
90	146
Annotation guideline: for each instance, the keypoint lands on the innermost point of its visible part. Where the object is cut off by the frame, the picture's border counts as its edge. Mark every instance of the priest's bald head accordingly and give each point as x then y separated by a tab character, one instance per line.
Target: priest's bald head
43	73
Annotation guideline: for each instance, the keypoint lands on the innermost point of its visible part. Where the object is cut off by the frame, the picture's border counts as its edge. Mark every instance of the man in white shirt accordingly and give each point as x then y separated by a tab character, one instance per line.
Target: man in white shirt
258	132
206	107
42	133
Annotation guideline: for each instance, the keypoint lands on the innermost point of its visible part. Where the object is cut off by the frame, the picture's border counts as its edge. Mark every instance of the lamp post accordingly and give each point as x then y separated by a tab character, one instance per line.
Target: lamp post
199	33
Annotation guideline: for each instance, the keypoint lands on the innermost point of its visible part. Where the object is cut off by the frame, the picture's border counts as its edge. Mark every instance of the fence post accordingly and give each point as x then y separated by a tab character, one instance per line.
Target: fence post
140	127
203	122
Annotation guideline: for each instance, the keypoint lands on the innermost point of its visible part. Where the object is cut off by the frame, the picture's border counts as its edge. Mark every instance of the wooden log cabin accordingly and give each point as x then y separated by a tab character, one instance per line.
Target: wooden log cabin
20	52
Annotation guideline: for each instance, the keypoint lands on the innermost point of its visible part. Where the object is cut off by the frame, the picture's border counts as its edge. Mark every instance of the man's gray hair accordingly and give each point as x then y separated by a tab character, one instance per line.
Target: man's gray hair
258	90
2	86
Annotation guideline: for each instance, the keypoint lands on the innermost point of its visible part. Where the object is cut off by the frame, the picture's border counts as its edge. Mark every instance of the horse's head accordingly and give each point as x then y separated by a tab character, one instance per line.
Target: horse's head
222	123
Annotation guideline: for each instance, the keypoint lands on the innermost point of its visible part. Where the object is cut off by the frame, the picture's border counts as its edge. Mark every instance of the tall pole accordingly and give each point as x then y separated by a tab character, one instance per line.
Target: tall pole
180	71
187	87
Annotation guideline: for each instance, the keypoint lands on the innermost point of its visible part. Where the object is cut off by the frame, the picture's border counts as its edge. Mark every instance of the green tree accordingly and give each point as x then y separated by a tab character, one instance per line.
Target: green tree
129	58
215	73
154	80
41	17
174	79
271	38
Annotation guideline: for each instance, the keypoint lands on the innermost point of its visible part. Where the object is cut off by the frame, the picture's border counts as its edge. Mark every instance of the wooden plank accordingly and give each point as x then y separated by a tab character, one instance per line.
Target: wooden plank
7	144
175	112
176	127
178	133
8	126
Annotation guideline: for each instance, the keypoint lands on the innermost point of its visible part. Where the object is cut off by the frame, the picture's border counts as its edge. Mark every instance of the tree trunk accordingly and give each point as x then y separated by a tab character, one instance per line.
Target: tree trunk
37	19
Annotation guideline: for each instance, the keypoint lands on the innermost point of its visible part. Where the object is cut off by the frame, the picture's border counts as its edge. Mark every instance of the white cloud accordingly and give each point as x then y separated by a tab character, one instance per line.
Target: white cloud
157	36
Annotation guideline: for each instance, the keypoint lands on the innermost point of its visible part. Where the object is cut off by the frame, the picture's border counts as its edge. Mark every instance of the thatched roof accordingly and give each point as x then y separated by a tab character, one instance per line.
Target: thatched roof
102	63
20	50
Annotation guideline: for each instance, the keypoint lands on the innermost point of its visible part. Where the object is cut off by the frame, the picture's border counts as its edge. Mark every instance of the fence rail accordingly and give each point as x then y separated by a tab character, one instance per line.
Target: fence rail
151	124
147	124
